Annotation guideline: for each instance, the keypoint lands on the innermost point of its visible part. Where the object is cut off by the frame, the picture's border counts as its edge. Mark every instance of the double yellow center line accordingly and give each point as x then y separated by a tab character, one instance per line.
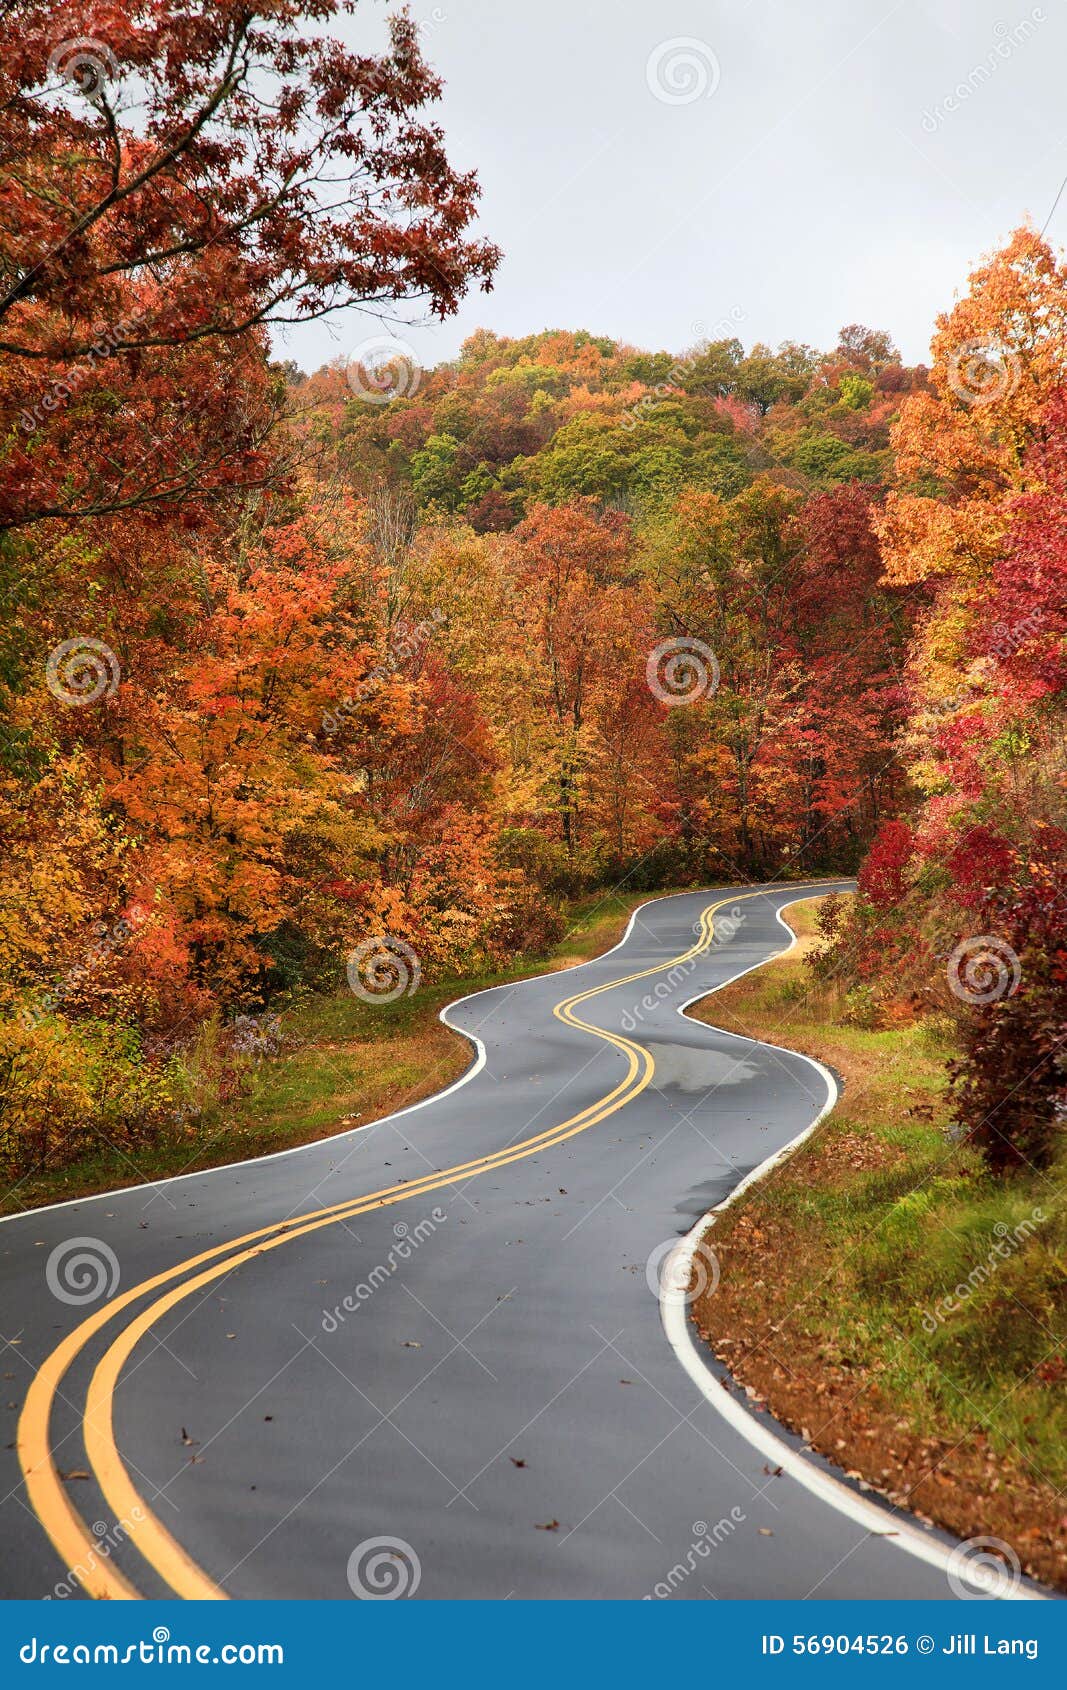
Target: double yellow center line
73	1541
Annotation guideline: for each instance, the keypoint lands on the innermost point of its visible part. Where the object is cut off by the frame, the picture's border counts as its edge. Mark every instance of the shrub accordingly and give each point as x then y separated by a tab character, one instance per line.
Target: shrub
65	1090
1010	1084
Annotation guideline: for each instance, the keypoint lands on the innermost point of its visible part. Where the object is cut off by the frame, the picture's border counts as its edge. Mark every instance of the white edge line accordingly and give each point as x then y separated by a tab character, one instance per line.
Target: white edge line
468	1074
879	1520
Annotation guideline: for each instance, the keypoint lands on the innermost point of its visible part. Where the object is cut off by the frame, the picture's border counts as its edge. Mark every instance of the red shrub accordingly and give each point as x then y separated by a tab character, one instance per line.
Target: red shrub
882	877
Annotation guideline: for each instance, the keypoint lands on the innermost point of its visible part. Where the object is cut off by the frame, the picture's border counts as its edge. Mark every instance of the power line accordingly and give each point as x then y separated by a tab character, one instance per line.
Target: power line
1055	203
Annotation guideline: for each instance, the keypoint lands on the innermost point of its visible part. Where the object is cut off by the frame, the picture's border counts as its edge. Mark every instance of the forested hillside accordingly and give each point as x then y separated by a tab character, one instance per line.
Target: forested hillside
383	665
656	582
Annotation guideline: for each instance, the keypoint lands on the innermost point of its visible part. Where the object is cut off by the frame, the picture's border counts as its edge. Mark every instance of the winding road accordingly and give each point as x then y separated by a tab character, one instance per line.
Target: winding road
427	1357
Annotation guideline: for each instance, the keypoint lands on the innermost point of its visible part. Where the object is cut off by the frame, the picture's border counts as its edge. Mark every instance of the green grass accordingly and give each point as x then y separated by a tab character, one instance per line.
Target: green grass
344	1062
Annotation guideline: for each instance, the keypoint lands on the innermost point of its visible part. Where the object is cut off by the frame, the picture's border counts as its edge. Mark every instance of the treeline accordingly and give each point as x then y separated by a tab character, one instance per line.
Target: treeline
963	907
556	416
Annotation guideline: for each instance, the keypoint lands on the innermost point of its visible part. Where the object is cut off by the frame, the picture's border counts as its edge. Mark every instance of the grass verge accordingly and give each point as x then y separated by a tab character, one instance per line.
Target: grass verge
888	1299
343	1063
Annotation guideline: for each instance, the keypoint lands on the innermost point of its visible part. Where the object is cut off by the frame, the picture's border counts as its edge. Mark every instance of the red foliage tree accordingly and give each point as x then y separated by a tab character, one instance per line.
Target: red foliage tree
1024	633
882	878
180	173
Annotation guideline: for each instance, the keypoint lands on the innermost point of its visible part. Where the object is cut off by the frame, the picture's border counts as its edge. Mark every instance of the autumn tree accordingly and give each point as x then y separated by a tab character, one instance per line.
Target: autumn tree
964	453
580	613
175	179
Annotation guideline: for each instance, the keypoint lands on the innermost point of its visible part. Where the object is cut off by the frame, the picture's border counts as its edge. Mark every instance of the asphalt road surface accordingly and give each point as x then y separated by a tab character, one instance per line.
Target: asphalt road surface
440	1331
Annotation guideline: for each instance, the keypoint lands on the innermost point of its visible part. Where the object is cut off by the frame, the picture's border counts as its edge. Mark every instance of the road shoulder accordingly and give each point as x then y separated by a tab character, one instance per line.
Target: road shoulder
837	1303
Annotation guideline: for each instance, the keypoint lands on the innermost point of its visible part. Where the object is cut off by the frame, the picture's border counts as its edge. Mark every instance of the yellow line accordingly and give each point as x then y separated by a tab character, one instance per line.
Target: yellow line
49	1499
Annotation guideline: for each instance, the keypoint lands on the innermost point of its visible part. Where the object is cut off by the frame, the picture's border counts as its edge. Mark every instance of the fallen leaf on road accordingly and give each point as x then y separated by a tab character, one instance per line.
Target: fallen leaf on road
515	1461
75	1473
549	1526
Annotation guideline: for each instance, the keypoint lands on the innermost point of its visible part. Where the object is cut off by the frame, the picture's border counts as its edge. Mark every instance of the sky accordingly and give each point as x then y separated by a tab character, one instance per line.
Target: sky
660	171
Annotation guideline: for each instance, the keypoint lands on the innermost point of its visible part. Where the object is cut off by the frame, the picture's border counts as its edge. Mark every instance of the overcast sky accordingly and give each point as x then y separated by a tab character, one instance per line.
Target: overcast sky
657	170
